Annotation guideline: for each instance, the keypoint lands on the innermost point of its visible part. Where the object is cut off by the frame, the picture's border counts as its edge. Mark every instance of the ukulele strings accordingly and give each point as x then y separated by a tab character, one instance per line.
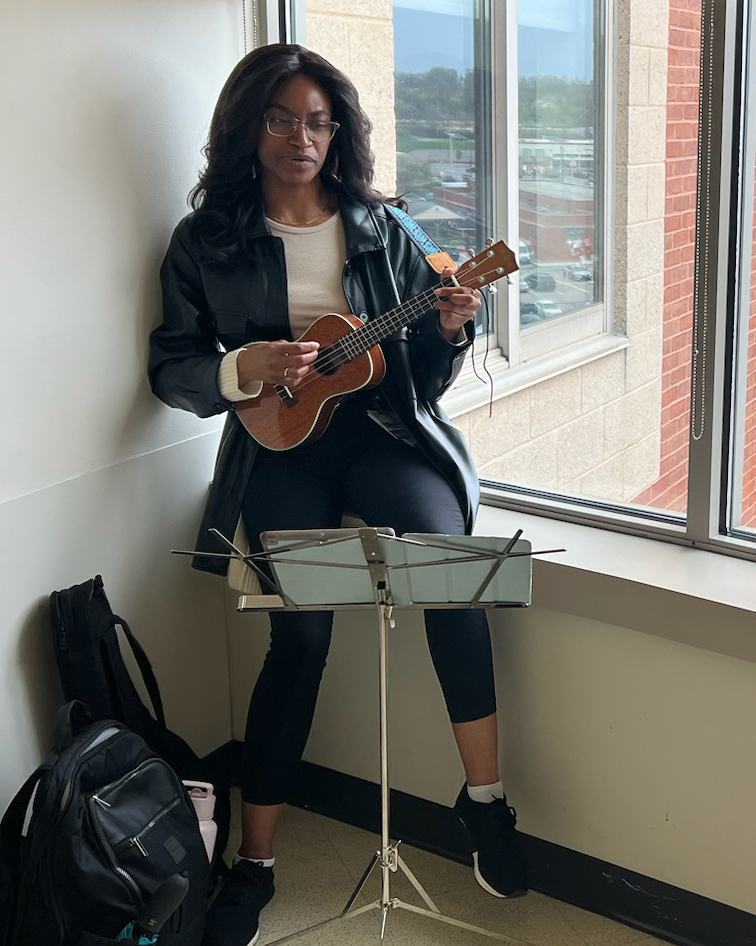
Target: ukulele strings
339	352
352	344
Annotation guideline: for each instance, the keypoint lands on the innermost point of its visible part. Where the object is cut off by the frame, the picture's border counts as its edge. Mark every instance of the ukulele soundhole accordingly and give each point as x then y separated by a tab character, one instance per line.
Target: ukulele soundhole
328	361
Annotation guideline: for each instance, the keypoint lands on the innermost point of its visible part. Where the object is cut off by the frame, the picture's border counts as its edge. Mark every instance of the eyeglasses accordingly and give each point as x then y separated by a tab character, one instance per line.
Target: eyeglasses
318	129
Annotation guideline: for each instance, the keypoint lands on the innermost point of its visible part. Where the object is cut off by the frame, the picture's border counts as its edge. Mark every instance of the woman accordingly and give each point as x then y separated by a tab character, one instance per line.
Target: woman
287	226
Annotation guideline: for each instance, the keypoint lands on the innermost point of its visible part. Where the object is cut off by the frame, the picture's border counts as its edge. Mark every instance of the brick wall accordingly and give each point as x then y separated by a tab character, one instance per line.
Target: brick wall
358	38
669	491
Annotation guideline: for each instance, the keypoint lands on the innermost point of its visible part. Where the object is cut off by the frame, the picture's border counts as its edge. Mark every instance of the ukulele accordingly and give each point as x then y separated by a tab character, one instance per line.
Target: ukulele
350	359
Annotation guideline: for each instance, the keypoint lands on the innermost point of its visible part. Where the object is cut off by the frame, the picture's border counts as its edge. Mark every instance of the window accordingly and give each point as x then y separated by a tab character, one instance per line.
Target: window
590	136
560	162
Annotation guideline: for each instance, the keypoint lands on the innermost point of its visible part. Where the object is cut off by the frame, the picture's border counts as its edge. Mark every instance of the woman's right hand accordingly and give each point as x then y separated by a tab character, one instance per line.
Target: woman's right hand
279	362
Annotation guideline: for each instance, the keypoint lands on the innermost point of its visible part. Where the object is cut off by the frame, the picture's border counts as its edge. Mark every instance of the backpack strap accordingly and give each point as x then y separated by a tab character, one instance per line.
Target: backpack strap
13	826
436	258
70	720
13	821
145	668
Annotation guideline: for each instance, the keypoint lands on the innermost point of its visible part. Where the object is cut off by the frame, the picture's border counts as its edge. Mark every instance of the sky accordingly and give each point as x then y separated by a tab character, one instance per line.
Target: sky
555	36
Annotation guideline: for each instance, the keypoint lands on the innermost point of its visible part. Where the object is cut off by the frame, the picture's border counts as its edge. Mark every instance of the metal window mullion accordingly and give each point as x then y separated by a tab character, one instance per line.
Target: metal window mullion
505	148
713	262
745	256
271	14
605	83
297	22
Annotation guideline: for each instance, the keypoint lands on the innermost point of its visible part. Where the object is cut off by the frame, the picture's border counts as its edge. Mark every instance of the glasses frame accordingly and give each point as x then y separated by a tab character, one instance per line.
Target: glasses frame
300	121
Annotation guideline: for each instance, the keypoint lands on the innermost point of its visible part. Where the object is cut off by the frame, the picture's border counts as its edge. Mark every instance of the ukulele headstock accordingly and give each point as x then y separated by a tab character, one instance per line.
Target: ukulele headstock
492	263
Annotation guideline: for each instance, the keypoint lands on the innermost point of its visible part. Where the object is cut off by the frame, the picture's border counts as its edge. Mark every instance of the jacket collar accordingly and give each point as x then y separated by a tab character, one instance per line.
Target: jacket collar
361	225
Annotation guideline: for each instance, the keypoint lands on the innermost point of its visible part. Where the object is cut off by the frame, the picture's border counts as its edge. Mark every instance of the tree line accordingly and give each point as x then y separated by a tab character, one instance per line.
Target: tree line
442	98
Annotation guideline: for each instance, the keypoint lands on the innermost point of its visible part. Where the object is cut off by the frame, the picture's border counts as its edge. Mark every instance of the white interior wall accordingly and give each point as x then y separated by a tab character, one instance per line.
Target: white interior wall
104	108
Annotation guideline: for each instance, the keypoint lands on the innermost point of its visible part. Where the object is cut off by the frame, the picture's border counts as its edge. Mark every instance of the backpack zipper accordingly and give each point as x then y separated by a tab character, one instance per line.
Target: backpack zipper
137	839
123	874
112	786
97	799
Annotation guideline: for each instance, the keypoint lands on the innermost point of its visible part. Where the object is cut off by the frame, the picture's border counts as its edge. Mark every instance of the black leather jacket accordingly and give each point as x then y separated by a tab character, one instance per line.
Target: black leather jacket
208	305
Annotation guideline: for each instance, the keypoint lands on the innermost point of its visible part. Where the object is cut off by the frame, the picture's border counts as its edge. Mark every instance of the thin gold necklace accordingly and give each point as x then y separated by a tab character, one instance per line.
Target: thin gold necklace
306	223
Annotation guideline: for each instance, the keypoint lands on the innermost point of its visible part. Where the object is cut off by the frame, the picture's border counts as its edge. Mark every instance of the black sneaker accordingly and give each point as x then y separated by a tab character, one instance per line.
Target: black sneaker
498	861
234	916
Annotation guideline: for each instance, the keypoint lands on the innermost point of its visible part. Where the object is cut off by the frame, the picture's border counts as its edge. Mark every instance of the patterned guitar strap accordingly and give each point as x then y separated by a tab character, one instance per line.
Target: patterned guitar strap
437	258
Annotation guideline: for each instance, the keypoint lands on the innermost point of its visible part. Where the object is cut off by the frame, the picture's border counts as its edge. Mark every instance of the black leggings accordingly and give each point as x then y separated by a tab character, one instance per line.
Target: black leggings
354	466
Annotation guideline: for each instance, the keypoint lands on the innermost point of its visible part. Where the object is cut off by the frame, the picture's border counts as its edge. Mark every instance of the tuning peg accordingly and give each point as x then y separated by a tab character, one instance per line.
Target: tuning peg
470	252
492	289
489	241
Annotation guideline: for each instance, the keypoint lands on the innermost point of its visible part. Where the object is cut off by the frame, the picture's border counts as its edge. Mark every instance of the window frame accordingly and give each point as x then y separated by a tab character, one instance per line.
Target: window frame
511	351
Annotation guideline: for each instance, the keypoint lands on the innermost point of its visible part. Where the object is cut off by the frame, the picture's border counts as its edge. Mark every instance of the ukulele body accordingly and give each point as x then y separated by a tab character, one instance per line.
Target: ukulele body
281	418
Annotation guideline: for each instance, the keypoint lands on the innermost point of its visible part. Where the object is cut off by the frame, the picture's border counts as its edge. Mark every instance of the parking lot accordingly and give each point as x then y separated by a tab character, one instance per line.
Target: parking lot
567	294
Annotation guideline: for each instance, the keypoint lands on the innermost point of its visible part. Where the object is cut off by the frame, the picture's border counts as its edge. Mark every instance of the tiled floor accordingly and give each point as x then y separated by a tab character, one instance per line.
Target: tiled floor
318	864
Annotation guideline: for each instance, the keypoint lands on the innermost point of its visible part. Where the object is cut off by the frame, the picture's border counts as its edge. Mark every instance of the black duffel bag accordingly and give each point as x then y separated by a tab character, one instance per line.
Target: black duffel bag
92	669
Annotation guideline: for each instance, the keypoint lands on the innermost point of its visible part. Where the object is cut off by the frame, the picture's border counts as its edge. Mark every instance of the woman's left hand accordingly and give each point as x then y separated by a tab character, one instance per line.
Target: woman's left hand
456	305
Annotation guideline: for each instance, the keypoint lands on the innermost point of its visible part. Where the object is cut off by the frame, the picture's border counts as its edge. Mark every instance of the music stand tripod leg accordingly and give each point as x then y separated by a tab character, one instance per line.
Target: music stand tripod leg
361	882
387	856
442	918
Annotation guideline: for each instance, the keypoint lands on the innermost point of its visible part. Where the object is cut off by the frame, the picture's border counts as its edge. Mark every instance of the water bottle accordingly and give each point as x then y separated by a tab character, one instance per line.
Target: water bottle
203	799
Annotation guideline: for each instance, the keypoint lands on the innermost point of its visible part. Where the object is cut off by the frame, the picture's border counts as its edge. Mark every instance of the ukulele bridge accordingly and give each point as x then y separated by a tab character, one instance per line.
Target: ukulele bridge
286	396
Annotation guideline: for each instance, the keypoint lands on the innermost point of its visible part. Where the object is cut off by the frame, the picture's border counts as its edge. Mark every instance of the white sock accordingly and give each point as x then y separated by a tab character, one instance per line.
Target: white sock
262	861
486	793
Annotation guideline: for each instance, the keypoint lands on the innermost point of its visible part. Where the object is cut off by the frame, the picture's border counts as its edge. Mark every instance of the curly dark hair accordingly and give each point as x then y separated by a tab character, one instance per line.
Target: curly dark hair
228	189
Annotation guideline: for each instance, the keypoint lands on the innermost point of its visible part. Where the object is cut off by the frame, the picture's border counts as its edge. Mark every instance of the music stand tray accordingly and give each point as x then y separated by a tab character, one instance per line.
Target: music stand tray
343	569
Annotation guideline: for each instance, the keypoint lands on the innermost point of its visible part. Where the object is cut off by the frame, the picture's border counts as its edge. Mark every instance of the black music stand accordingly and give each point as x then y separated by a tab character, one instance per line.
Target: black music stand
344	569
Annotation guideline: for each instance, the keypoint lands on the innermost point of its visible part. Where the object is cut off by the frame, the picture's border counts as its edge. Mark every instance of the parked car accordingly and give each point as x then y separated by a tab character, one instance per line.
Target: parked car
578	271
541	281
548	309
529	313
524	286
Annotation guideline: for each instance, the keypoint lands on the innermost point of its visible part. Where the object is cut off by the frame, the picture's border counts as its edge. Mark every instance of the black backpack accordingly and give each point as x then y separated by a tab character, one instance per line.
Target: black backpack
92	670
97	837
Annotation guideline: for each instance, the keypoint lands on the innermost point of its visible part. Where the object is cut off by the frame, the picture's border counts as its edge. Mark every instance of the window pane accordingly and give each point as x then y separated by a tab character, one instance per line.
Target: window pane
747	517
440	140
559	168
743	444
421	68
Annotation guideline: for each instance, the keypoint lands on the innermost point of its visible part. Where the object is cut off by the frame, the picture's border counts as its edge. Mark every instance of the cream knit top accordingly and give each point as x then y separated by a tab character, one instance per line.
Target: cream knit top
315	258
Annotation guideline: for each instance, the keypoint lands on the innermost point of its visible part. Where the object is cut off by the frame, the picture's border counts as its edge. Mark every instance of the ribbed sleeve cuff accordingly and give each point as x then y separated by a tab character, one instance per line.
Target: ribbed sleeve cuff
228	379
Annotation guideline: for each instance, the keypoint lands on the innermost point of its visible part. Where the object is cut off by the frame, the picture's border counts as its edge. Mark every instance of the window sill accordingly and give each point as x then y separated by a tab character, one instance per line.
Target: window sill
685	594
469	393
